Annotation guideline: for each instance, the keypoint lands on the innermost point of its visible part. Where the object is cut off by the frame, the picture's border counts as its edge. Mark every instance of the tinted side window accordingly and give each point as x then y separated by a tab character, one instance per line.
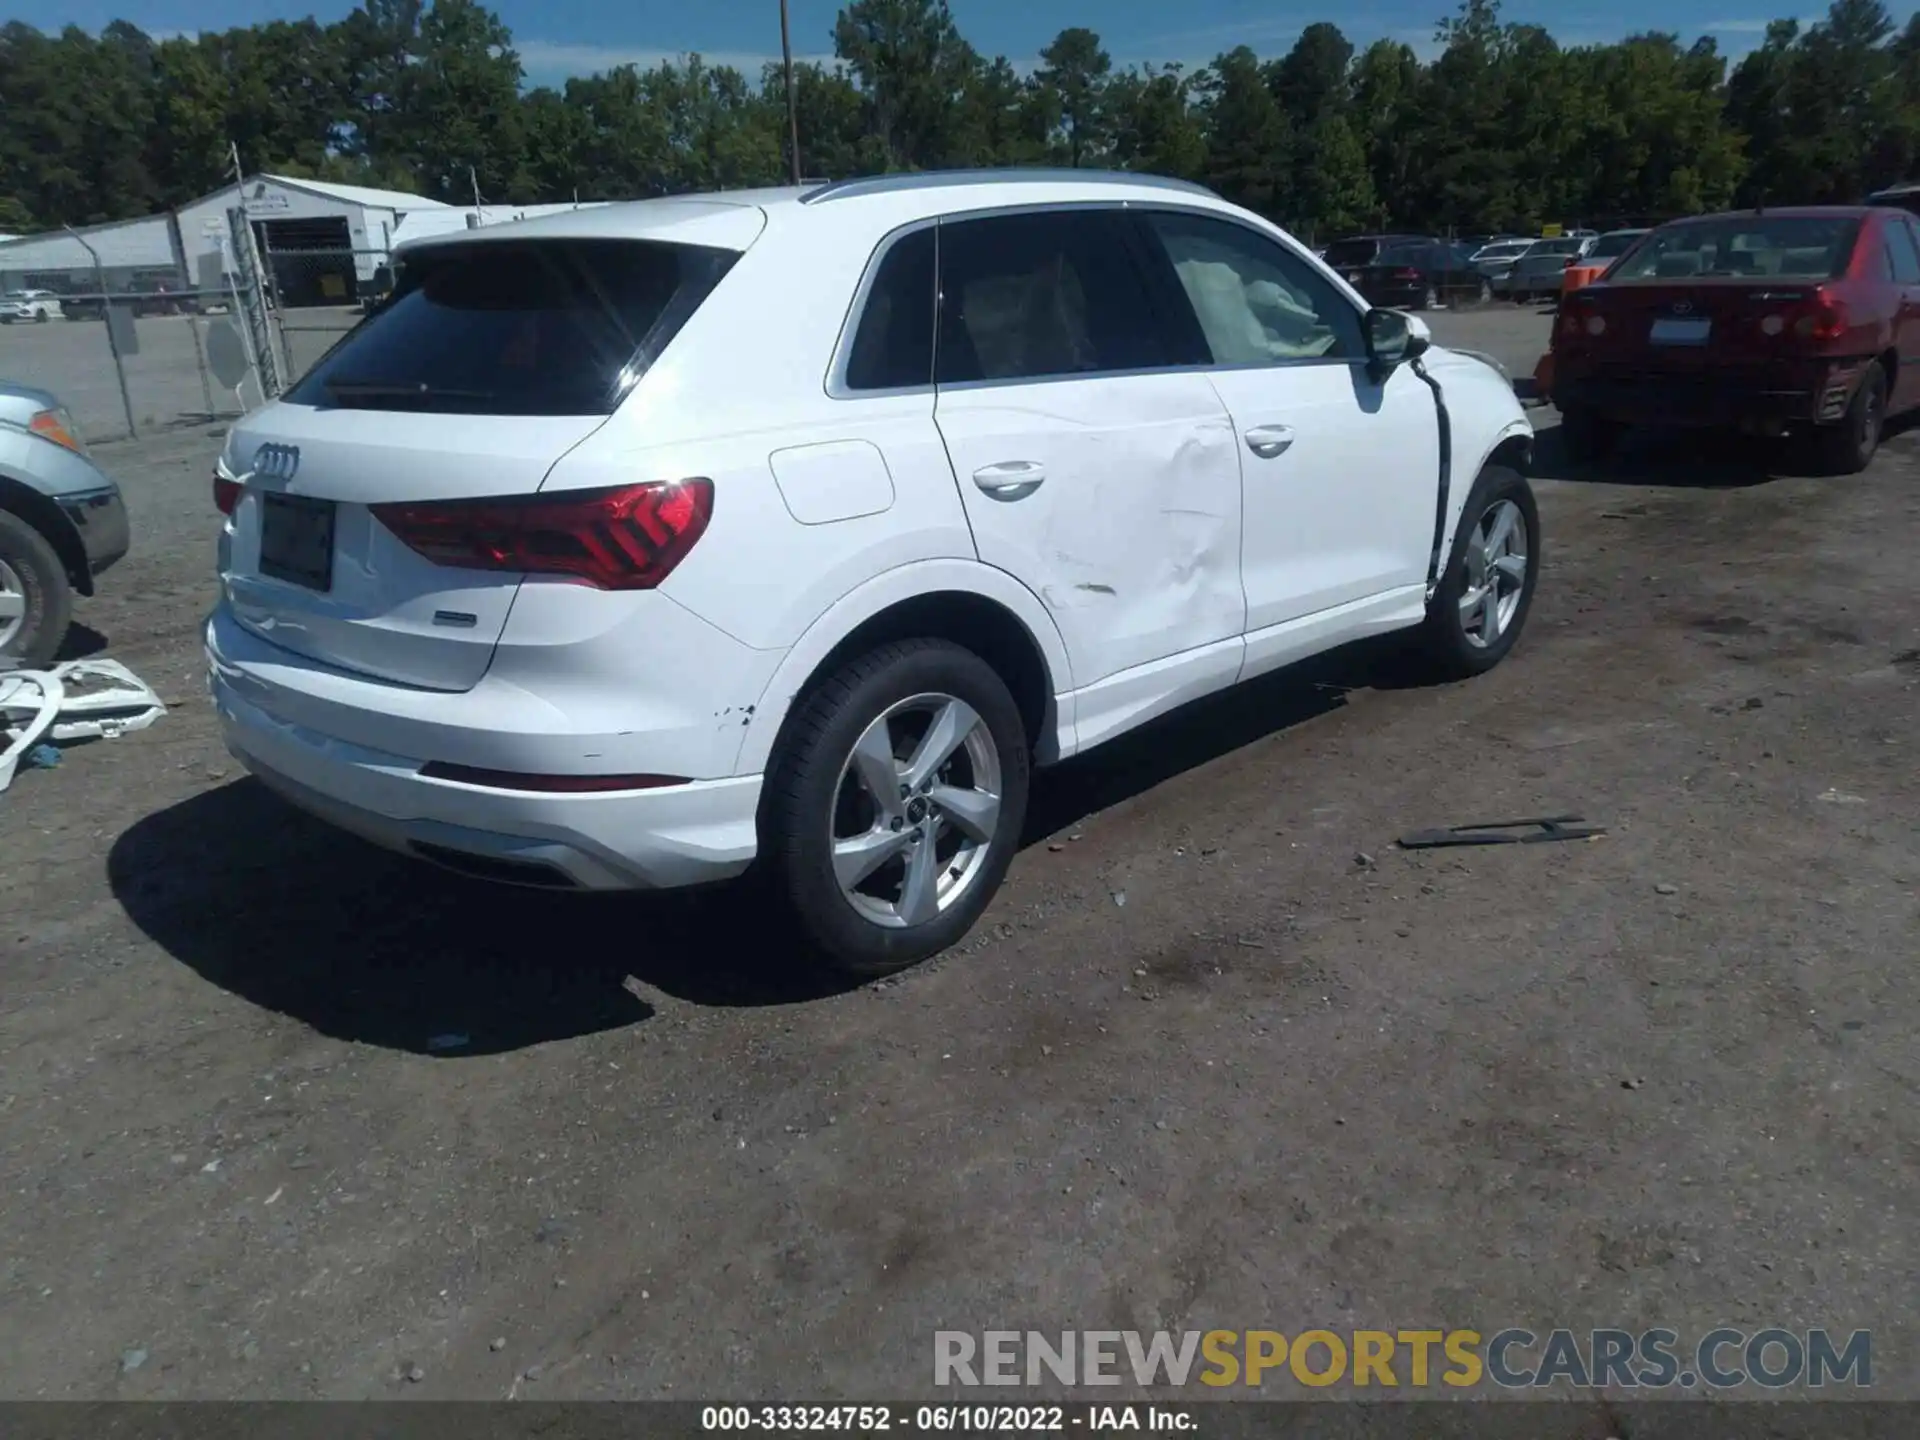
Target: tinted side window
1023	297
1256	301
893	346
1900	249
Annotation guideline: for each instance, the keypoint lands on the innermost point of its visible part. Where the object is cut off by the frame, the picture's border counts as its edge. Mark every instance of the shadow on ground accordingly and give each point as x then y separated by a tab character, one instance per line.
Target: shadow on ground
82	642
363	945
1692	459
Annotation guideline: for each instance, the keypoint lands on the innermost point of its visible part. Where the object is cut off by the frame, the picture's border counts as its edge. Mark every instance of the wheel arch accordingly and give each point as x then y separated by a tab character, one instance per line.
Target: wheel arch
55	528
974	605
1512	446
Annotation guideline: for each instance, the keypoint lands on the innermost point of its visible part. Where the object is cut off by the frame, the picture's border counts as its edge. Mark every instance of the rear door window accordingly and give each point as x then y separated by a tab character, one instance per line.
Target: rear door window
1046	295
893	346
539	327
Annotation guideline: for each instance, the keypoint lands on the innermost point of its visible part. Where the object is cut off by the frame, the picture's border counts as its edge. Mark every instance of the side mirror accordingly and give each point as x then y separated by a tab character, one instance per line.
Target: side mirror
1395	337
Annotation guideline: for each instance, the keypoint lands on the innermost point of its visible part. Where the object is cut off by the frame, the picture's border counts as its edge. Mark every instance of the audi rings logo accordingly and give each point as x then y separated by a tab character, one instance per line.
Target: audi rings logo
1683	307
276	462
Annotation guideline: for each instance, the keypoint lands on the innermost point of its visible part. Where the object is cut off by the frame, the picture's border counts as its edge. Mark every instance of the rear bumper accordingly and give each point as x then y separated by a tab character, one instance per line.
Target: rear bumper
638	839
1709	400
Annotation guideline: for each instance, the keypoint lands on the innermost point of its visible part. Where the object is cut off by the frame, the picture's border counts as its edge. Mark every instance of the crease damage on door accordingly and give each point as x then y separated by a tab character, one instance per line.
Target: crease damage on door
1173	563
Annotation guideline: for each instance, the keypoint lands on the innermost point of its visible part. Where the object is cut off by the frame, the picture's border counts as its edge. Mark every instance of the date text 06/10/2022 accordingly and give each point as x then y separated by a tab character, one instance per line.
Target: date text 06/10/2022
946	1419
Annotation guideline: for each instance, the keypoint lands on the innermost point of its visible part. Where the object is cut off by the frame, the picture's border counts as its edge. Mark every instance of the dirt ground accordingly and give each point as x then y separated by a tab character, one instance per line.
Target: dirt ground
1202	1066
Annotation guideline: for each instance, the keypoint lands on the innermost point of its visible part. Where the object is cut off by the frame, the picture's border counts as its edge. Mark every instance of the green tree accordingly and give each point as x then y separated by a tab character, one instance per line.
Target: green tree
1156	127
1073	79
1246	134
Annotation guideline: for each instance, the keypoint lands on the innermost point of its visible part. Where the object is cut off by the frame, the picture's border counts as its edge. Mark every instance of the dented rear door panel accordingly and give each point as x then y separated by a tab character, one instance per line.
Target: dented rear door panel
1131	537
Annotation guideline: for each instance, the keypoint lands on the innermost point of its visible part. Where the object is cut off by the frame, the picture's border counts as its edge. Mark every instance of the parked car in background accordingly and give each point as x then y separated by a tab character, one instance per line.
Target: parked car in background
1592	265
1356	252
62	522
1495	259
1904	196
1540	270
38	306
1766	322
1420	274
542	576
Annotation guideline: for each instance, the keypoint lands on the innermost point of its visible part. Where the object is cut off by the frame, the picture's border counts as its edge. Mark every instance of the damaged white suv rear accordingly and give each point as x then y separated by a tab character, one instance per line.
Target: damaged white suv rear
622	547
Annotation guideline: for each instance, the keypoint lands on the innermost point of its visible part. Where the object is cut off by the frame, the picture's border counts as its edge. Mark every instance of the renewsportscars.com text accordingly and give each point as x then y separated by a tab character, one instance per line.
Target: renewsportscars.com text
1513	1358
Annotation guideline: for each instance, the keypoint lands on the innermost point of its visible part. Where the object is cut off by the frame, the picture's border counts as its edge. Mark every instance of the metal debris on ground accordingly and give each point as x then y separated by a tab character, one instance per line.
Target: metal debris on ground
1505	832
77	700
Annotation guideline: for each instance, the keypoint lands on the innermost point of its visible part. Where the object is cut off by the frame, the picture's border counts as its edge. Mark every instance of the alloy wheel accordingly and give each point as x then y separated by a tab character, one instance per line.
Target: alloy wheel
1496	561
13	604
915	810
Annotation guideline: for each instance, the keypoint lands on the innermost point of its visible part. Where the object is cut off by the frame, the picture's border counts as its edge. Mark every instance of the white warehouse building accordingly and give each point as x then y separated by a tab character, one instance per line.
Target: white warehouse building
334	237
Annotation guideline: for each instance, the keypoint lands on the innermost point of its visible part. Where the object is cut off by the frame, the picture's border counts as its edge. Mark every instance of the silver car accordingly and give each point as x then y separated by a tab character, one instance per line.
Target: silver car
62	522
1539	272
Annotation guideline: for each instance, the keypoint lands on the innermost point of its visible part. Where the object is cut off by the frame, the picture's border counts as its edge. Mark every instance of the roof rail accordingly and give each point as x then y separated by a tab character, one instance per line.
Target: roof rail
1012	175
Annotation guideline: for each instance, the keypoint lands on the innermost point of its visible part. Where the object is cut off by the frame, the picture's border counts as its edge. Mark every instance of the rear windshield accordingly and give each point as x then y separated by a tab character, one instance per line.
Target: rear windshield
1554	247
539	327
1608	246
1800	247
1352	252
1404	253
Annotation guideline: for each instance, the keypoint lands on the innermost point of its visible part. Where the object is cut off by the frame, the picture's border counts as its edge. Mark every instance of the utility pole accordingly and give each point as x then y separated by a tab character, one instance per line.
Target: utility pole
793	111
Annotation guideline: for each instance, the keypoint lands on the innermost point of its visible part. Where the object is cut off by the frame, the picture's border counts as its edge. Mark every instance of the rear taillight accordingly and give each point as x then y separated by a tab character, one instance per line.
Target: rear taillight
1406	274
1822	319
226	493
628	538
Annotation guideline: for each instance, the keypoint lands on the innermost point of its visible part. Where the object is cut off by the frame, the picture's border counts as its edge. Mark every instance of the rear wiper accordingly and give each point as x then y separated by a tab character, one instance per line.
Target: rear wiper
377	390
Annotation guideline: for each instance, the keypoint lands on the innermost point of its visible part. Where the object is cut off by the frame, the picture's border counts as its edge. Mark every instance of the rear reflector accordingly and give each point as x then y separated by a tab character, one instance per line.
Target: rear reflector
546	784
1406	274
226	493
629	538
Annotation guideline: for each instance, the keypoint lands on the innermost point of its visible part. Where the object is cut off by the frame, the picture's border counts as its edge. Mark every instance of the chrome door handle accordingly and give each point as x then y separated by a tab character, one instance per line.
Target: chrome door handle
1267	441
1010	479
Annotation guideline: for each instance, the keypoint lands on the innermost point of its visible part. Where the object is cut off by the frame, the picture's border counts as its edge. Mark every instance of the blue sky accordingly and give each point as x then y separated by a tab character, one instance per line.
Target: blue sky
561	37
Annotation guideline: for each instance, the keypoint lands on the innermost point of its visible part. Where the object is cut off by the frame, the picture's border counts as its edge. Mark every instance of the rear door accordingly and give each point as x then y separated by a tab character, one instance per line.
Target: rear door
493	360
1104	480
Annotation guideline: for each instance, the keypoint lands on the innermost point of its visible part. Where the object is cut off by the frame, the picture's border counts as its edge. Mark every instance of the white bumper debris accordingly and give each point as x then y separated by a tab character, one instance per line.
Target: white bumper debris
78	700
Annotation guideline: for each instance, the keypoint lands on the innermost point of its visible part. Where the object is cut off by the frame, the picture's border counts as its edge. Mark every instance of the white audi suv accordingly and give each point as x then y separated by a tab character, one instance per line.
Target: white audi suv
623	547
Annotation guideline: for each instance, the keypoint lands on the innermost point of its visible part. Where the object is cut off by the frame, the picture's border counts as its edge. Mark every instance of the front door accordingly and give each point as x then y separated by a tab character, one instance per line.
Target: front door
1106	482
1340	469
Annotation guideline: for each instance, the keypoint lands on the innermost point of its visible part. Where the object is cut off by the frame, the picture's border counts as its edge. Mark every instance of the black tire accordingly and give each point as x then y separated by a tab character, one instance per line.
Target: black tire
803	792
1486	292
49	595
1586	436
1446	648
40	317
1429	299
1848	447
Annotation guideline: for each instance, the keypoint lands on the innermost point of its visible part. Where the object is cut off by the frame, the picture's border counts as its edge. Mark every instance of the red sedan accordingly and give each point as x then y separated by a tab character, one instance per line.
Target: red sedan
1804	320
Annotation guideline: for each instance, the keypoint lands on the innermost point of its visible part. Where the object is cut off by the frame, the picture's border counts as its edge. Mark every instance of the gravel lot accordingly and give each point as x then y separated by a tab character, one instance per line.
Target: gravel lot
1658	1078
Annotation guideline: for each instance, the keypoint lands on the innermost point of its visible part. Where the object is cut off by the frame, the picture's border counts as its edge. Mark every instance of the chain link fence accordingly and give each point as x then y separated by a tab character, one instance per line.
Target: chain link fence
128	351
317	296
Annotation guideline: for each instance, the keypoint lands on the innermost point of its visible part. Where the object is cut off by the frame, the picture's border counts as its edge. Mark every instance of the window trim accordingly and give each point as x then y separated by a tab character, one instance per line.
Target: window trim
836	375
